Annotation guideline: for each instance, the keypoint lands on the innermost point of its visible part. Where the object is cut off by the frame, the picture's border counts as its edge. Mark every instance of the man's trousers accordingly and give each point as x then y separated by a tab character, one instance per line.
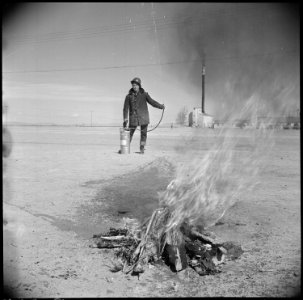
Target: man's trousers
143	132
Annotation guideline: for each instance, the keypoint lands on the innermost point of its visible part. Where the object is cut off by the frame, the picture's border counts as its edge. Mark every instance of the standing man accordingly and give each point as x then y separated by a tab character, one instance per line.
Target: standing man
136	105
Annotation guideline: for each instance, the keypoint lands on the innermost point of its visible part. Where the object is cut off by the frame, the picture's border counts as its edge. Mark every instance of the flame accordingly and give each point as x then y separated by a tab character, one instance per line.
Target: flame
204	188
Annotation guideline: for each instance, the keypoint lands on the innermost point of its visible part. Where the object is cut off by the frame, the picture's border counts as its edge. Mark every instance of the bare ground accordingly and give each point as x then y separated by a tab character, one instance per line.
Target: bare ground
62	185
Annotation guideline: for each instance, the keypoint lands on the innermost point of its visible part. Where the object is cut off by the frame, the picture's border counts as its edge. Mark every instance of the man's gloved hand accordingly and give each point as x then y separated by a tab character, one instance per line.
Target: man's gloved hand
163	106
125	123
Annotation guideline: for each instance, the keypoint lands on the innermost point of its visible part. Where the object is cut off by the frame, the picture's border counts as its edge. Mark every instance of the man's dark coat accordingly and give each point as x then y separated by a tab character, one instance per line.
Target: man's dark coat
136	105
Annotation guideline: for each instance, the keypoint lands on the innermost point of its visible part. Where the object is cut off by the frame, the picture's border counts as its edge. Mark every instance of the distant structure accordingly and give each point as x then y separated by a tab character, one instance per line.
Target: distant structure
198	117
4	114
270	122
186	119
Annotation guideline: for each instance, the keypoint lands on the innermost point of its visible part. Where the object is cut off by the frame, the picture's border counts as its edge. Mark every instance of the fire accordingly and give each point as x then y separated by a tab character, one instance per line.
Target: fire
206	187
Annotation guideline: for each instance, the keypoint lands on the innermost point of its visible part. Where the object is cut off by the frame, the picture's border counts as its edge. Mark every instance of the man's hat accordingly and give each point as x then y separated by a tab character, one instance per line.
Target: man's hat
137	81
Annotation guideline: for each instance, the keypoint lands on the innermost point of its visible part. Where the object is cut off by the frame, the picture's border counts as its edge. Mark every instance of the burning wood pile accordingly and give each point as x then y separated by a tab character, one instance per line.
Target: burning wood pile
204	188
137	246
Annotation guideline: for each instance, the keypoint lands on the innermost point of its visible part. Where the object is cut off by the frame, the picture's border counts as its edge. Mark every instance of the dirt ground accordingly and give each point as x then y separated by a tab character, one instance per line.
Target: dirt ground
64	184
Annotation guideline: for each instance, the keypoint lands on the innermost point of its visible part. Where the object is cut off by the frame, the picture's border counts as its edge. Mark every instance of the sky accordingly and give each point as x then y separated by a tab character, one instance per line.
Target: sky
72	63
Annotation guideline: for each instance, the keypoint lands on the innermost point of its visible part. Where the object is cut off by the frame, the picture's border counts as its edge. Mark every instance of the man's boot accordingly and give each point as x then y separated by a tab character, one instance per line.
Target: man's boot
142	149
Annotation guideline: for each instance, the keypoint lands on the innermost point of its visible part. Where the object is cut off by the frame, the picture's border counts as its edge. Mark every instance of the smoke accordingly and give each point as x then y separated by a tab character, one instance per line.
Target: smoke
252	71
248	48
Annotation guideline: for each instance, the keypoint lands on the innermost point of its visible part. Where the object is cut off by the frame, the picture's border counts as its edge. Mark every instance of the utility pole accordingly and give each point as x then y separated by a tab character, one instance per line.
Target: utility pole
91	118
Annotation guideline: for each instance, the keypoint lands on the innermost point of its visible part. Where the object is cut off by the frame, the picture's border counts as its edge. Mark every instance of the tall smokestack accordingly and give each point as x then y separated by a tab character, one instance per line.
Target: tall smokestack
203	79
203	85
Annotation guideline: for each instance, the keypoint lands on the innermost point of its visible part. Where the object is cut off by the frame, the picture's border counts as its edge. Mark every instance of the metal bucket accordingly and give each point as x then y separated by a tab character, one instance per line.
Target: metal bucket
124	141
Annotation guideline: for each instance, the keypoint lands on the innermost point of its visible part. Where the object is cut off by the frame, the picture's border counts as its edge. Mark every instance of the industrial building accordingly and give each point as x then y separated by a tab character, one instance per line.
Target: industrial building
197	118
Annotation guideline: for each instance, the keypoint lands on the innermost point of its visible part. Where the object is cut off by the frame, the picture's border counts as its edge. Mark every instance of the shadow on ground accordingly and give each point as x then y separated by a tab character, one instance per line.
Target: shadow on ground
133	195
